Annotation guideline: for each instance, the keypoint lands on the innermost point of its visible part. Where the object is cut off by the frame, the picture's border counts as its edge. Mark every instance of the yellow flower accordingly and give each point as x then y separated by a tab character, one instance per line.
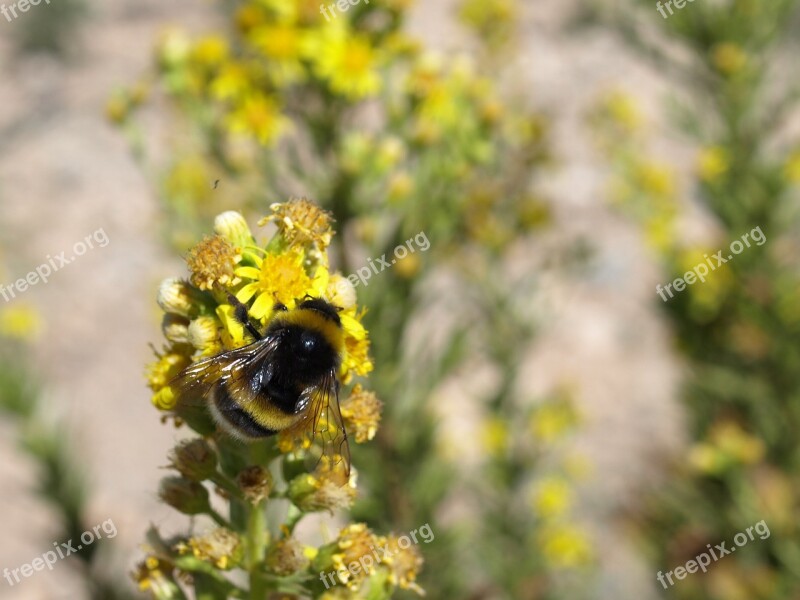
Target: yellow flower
168	365
210	51
553	498
153	574
356	344
655	179
362	414
623	111
565	546
355	541
221	547
328	488
20	323
274	278
713	163
495	436
553	420
281	44
728	58
232	82
258	116
404	564
348	61
791	170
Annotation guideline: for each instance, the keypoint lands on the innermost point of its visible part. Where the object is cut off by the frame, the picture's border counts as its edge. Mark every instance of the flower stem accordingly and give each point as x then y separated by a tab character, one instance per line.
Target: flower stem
257	539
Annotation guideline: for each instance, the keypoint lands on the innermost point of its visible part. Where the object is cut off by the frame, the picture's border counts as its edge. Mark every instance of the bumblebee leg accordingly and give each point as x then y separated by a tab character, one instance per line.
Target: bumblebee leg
240	313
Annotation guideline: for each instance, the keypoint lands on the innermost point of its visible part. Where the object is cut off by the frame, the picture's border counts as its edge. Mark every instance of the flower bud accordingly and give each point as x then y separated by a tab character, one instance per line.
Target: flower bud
203	334
175	296
184	495
195	459
175	328
232	226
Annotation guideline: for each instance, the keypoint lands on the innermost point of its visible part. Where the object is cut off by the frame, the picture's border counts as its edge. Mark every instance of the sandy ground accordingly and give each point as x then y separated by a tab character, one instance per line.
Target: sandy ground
65	173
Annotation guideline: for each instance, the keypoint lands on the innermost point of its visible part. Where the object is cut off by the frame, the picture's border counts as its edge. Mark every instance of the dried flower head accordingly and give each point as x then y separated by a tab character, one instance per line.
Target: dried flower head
301	223
324	490
221	547
403	562
255	483
153	575
287	556
213	261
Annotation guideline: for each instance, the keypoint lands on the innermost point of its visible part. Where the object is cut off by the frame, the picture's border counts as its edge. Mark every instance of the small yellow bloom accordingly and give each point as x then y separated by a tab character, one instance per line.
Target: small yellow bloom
362	414
281	44
354	541
221	547
728	58
404	564
495	436
275	278
348	61
565	546
553	420
258	116
553	498
20	323
713	163
210	51
791	170
324	490
153	574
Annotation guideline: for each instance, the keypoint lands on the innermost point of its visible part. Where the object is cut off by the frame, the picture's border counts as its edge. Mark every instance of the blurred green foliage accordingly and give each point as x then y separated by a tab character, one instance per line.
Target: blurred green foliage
738	330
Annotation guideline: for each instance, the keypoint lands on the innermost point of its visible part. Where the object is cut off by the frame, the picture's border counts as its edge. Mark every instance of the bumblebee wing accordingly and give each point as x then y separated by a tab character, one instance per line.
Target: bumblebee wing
240	368
324	423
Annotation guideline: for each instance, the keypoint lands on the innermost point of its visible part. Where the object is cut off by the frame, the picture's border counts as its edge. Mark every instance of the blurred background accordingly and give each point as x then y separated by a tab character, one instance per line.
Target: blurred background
565	432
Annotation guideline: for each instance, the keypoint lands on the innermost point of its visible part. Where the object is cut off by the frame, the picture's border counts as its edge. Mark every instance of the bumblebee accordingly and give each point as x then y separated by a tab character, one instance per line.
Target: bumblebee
285	380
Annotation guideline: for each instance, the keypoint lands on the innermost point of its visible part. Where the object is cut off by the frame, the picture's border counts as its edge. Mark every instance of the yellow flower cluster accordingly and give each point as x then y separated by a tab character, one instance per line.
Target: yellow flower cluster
199	320
278	46
359	555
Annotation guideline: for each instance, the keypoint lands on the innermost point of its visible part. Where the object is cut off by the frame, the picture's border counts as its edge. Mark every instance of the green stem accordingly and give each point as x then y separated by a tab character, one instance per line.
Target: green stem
257	539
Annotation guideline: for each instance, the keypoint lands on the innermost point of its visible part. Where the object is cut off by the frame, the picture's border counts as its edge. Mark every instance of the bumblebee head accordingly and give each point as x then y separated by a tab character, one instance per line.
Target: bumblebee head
326	309
312	331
